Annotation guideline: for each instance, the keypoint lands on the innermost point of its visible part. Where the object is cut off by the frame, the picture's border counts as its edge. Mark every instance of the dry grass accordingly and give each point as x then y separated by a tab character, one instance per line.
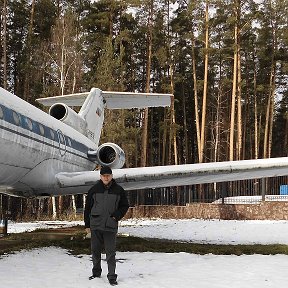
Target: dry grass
73	239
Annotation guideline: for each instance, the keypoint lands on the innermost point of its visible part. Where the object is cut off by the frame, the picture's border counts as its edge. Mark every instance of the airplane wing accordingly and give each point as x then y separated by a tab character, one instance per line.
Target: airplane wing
113	100
180	175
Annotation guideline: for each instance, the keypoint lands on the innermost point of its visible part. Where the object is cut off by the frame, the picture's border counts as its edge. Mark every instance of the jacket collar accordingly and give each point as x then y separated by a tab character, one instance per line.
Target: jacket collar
107	187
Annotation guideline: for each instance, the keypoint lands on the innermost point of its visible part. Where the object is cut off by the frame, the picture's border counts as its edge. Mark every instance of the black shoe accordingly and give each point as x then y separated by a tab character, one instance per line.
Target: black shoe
94	276
113	282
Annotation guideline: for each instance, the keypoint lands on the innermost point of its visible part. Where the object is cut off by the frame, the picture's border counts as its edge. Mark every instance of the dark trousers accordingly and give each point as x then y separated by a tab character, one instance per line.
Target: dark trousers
108	239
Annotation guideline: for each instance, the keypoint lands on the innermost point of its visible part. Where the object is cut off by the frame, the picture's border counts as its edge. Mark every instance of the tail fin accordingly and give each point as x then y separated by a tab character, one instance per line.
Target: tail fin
94	102
92	111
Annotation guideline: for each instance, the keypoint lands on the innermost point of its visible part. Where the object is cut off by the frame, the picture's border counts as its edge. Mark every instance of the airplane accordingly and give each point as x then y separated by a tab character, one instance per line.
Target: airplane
55	153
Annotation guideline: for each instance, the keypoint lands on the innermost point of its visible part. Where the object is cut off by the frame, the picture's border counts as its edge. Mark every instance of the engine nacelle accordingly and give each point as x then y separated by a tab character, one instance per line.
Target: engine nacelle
68	116
110	154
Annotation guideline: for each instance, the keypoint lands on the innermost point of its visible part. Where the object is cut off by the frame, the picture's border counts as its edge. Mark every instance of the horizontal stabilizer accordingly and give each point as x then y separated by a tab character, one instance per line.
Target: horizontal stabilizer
180	175
126	100
70	99
113	100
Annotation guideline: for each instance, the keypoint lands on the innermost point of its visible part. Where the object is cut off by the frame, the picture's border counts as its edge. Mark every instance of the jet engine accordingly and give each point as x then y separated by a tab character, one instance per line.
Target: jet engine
110	154
68	116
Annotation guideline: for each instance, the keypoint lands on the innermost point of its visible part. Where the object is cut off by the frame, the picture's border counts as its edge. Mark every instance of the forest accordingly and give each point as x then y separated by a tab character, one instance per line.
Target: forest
225	62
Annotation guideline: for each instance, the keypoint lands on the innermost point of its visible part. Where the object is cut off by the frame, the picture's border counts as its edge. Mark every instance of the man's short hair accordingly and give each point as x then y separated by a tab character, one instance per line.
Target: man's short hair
105	170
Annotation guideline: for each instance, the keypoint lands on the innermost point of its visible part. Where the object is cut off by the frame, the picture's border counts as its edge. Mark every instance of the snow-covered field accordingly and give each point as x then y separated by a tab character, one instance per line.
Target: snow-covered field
187	230
54	267
31	226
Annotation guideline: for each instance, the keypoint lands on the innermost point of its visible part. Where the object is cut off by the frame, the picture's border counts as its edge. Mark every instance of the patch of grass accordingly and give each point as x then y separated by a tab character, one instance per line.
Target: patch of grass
65	238
73	239
156	245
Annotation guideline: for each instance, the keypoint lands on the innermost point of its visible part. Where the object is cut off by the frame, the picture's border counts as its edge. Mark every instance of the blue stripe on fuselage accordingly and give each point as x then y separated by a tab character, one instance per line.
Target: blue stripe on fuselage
9	116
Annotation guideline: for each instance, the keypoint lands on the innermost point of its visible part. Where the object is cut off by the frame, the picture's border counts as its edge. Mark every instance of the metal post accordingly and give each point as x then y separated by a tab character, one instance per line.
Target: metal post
263	188
224	187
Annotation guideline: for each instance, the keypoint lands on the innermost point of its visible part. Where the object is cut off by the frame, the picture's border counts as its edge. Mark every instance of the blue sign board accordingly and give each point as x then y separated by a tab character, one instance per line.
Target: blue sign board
283	189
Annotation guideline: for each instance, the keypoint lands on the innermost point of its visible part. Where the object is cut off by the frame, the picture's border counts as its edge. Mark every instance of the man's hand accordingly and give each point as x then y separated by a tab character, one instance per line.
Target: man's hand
88	233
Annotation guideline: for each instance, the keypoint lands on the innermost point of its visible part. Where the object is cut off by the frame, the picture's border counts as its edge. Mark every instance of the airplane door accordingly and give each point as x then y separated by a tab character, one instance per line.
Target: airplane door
61	142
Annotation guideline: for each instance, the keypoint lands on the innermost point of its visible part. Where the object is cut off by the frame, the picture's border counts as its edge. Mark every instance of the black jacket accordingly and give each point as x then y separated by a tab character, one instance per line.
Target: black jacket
104	203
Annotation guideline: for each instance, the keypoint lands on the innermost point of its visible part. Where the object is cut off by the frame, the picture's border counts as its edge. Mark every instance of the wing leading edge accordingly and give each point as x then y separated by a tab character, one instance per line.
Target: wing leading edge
179	175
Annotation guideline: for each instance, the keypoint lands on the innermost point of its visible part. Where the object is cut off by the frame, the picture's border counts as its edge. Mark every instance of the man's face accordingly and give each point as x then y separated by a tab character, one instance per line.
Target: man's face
106	178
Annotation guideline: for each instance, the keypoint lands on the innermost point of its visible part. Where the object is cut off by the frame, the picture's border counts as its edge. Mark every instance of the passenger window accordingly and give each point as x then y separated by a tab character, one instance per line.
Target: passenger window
69	141
1	113
16	118
61	137
52	134
29	124
41	128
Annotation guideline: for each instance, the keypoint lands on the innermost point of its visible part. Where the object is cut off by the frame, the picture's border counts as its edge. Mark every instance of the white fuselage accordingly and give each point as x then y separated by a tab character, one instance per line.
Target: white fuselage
34	147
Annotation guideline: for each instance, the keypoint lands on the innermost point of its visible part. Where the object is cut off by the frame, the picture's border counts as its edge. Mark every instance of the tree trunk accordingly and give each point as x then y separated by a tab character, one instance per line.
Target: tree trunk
26	91
40	208
173	122
285	142
256	147
196	106
73	205
217	128
269	114
1	207
4	46
164	141
203	116
172	109
54	211
270	106
271	118
186	153
84	201
233	100
147	89
60	204
239	108
144	137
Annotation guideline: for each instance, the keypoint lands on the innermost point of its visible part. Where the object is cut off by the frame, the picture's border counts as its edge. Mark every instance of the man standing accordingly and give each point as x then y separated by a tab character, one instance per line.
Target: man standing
106	204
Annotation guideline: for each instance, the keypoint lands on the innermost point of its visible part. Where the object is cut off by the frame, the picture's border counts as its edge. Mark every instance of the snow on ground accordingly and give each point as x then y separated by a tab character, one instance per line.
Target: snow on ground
210	231
54	267
186	230
14	227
